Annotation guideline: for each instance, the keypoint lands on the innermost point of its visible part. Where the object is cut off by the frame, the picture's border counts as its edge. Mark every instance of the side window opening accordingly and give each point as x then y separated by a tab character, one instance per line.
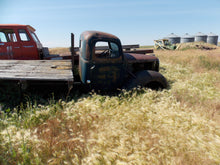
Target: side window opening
23	35
101	49
7	35
104	49
3	37
35	37
12	37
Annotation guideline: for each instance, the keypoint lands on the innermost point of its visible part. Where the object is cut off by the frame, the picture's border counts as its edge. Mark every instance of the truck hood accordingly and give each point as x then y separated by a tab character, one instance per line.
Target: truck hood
139	58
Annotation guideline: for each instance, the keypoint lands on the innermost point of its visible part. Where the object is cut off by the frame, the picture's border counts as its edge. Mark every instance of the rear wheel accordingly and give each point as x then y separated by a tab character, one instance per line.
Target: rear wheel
149	79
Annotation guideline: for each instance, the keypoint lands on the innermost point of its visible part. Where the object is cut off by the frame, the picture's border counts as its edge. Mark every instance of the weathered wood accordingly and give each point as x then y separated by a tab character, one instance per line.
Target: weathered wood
140	51
73	53
126	47
40	70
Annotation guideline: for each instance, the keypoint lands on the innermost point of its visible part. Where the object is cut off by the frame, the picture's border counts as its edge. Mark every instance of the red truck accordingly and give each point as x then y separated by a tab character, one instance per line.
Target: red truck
19	42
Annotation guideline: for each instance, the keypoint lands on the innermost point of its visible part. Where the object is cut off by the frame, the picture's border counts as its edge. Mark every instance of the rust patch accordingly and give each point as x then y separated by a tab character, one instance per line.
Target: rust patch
134	58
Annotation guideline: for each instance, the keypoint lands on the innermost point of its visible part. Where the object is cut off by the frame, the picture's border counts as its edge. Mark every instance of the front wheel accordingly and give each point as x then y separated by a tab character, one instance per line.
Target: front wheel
147	78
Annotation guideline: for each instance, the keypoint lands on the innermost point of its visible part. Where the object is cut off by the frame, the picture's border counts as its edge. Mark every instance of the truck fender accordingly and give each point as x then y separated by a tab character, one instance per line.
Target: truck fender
147	78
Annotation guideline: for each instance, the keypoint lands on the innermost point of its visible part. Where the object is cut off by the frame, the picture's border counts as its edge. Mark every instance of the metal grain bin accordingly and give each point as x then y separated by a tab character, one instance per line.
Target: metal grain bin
173	38
212	39
187	38
200	37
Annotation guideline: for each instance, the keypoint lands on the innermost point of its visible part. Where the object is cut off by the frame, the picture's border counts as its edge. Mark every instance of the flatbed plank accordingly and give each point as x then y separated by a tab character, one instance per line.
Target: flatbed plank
42	70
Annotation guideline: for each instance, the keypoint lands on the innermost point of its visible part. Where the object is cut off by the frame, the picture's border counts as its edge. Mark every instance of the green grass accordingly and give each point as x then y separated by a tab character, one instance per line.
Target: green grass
179	125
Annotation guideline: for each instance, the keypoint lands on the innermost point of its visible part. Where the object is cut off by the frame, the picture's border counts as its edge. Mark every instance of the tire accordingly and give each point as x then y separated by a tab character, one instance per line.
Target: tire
149	79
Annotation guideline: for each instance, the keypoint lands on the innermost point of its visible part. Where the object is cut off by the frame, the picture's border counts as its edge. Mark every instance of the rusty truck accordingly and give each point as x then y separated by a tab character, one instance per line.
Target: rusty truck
107	69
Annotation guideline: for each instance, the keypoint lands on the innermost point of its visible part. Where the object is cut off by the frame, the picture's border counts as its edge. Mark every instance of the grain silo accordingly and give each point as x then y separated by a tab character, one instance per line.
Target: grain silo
187	38
200	37
173	39
212	39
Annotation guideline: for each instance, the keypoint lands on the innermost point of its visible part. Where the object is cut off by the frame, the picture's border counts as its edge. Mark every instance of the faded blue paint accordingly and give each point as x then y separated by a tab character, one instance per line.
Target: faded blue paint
103	73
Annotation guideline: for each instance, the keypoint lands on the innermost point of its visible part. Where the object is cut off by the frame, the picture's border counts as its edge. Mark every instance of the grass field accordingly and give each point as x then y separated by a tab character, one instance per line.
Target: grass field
179	125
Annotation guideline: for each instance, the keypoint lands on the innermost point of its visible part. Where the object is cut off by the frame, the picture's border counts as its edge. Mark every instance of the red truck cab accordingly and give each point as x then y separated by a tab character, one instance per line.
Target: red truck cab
19	42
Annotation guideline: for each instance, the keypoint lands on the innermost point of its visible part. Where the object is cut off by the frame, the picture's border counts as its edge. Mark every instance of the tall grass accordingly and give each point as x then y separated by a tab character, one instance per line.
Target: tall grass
179	125
59	50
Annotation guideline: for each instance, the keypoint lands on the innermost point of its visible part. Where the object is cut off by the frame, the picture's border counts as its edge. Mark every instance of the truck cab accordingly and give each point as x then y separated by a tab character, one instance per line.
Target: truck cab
101	69
111	68
19	42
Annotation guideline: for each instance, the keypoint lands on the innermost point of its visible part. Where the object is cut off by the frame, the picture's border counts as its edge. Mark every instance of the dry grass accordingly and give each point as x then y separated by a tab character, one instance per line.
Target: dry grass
195	45
179	125
59	50
199	82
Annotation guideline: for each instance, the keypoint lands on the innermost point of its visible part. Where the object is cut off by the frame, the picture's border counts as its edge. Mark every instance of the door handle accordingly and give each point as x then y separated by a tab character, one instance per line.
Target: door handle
31	46
2	44
92	67
17	47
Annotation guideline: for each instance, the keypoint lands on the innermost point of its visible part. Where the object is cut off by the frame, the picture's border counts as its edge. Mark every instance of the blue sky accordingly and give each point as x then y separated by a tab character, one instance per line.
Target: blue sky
133	21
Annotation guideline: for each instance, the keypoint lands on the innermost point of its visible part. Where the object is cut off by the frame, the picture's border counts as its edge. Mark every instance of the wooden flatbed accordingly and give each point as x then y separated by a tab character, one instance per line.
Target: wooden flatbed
36	70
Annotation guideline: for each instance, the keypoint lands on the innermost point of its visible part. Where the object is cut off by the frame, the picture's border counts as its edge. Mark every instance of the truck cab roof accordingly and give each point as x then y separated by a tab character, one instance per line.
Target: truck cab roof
88	35
88	40
17	26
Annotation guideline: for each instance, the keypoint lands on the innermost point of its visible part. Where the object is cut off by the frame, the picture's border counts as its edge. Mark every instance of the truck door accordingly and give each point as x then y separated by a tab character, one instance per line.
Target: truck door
28	46
9	47
107	66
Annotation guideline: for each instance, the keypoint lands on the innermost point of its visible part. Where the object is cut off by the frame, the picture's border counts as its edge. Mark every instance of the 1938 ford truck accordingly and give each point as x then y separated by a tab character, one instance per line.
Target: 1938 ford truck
111	68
